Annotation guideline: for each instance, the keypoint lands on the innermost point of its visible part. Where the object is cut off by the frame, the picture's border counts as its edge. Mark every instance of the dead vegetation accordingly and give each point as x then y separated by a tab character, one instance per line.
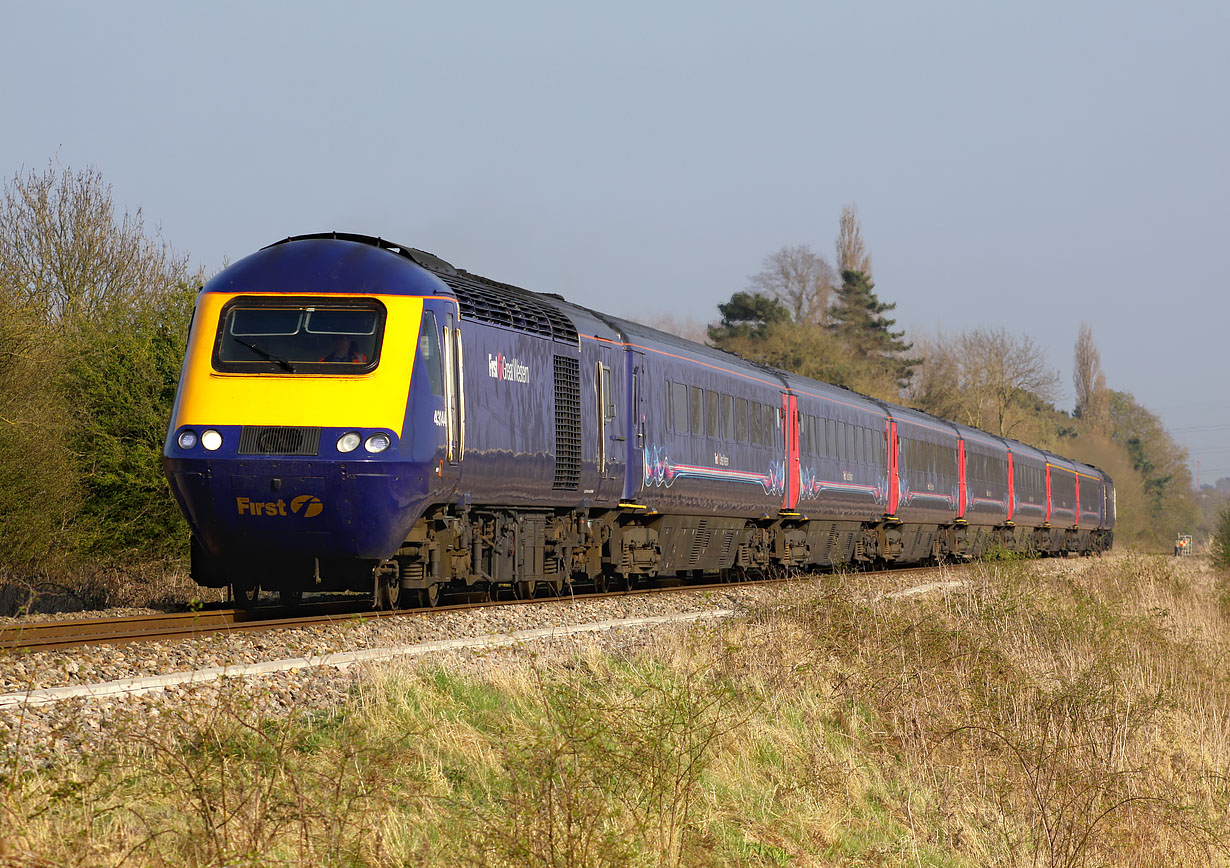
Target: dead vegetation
1043	715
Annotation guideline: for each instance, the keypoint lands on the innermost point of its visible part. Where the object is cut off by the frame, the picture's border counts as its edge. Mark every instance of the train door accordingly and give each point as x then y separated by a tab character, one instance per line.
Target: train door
454	396
611	454
635	424
790	424
894	467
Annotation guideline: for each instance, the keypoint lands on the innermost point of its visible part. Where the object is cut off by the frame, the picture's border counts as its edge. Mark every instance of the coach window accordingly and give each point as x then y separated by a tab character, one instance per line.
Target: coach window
679	405
696	404
755	419
711	413
728	417
741	419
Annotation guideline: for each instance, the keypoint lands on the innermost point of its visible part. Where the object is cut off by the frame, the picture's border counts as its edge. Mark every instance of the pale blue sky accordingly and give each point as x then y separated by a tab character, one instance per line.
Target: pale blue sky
1025	165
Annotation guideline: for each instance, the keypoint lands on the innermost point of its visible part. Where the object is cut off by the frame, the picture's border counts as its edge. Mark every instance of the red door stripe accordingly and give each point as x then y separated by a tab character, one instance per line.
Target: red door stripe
961	477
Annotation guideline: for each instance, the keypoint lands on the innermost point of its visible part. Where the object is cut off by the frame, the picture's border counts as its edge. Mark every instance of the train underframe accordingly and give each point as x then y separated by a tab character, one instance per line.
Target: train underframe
524	553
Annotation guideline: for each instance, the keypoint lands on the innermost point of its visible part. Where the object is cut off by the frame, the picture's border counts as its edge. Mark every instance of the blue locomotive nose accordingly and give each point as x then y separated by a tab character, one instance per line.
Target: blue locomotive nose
301	509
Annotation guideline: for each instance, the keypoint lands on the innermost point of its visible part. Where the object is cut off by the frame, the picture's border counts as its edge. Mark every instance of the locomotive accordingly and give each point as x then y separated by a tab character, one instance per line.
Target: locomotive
355	414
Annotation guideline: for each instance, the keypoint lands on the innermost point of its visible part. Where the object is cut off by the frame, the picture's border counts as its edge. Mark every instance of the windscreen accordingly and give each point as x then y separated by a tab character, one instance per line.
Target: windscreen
299	336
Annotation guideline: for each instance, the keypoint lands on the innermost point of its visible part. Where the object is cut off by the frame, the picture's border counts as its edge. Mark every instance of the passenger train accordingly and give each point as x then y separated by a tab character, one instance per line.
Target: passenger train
358	415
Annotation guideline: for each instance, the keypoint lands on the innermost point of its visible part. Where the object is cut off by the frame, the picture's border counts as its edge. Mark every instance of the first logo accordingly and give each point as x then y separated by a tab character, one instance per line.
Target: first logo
307	505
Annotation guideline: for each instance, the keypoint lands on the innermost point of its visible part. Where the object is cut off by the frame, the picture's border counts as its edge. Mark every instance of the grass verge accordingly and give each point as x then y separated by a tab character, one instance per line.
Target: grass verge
1057	715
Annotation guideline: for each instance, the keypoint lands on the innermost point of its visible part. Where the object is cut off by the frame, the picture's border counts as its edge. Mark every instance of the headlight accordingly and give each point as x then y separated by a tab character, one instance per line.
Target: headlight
211	440
378	442
349	442
187	439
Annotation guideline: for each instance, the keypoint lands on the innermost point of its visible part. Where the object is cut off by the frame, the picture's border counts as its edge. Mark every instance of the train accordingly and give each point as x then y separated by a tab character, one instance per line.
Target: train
358	415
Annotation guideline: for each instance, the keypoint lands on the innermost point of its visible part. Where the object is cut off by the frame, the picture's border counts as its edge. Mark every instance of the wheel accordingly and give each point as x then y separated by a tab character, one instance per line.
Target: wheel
388	590
429	597
246	596
290	598
526	590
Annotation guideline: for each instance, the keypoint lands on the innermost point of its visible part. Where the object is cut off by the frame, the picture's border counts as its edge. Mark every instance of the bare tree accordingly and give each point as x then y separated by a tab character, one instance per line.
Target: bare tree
800	279
1092	396
852	255
987	379
64	255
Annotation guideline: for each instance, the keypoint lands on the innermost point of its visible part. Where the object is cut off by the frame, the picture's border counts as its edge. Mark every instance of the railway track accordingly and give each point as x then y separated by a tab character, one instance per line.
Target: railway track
53	635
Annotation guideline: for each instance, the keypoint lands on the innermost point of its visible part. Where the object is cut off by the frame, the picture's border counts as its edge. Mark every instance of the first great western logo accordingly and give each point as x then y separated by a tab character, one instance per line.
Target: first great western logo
304	506
504	369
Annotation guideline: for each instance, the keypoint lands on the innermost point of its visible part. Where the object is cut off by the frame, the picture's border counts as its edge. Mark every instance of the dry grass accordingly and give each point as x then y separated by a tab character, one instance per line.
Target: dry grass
156	584
1046	715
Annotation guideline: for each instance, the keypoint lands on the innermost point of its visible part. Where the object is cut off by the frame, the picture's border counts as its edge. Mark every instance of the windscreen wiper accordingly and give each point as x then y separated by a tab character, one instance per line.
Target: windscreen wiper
266	354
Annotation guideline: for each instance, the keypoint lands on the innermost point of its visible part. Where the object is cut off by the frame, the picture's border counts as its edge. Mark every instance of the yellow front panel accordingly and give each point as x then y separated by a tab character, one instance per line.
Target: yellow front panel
373	400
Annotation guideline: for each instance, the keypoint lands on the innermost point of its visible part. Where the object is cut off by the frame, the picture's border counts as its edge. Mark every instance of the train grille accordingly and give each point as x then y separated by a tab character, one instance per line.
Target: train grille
567	423
275	440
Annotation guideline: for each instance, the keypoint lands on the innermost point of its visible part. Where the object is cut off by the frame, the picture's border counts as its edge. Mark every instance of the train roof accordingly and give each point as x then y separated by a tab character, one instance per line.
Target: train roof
317	262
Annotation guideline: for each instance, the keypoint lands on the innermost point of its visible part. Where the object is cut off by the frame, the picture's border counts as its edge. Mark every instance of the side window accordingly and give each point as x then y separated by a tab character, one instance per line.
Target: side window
803	431
679	404
711	413
670	421
429	353
830	438
757	433
696	399
741	419
859	457
728	420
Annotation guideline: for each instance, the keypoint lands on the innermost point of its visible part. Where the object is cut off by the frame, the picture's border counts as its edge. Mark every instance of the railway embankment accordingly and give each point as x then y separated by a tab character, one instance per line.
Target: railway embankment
1057	712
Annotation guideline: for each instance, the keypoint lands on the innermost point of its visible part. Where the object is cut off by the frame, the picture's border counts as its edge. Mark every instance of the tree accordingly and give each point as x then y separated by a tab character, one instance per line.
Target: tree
1092	396
987	379
66	257
1161	463
851	254
93	317
747	315
857	320
798	278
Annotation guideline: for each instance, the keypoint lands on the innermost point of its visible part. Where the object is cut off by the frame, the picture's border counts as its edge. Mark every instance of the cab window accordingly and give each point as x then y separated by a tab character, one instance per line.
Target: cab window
299	336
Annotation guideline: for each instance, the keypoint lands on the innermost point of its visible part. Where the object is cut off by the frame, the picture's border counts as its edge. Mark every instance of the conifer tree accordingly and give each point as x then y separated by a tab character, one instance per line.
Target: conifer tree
857	320
747	314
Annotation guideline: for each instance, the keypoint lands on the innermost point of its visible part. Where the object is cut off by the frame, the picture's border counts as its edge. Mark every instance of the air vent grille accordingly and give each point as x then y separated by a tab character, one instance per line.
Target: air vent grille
508	306
275	440
567	423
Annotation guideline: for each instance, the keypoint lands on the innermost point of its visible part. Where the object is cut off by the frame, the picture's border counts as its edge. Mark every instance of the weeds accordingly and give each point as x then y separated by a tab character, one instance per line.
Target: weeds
1040	717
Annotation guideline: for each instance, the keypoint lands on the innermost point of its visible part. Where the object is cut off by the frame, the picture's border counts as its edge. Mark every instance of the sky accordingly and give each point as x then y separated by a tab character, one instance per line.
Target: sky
1028	166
